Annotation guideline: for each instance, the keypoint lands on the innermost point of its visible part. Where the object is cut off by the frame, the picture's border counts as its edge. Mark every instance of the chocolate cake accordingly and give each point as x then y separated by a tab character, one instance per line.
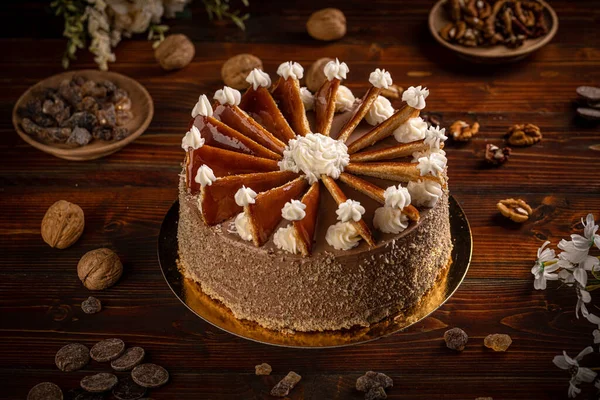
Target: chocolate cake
315	212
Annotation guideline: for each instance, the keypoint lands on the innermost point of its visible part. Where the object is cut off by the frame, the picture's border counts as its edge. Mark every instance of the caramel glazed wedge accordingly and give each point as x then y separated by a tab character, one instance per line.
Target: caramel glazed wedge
312	212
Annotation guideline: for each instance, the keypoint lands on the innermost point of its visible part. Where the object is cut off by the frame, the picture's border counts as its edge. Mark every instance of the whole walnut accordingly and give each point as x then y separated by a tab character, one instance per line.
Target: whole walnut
99	269
235	70
315	75
175	52
327	24
63	224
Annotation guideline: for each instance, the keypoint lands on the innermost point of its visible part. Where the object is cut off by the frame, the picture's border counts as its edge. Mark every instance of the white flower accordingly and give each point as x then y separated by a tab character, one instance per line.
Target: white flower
566	277
434	136
350	210
415	97
545	264
596	335
589	234
571	253
583	297
579	374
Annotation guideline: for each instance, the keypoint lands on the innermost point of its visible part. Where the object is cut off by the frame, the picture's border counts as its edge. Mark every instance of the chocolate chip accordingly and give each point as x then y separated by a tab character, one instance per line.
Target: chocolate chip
91	305
132	357
45	391
98	383
376	393
589	93
372	380
456	339
589	113
284	386
107	350
72	357
127	389
150	375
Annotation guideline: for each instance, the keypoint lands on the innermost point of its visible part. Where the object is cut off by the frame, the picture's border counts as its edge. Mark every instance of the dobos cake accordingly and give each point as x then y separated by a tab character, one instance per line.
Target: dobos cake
315	212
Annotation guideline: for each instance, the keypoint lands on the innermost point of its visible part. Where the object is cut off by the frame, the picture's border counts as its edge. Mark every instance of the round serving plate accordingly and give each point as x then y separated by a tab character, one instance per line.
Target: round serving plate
215	313
142	108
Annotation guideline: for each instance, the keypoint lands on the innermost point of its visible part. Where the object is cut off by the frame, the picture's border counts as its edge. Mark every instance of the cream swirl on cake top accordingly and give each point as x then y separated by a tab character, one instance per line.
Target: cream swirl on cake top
245	196
205	176
242	226
412	130
192	139
344	99
433	164
293	210
434	136
308	99
285	239
342	236
380	111
390	220
350	210
380	78
202	107
336	70
425	193
257	78
415	97
228	95
315	155
290	69
397	197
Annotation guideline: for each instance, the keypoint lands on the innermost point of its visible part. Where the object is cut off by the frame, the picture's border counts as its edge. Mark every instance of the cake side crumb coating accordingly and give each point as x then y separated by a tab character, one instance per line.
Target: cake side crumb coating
321	292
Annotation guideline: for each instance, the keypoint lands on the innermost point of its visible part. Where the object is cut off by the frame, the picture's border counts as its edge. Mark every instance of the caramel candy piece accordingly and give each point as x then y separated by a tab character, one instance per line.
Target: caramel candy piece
237	119
217	134
325	105
383	130
287	95
218	200
394	171
261	106
362	110
390	153
265	214
376	193
339	198
223	163
305	228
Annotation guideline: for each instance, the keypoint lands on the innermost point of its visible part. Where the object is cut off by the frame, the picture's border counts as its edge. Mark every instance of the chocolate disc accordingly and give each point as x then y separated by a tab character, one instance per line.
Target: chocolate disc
45	391
150	375
107	350
131	358
98	383
127	389
72	357
91	305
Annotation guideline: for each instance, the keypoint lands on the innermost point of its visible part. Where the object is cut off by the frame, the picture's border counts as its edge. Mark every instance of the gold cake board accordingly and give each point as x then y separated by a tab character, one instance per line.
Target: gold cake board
218	315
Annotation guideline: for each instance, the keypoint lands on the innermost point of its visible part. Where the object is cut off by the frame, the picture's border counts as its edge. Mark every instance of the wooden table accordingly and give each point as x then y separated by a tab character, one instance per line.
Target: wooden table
126	195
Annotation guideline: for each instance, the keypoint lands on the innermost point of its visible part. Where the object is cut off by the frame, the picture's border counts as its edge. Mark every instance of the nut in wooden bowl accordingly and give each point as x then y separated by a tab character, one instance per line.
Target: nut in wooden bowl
99	269
63	224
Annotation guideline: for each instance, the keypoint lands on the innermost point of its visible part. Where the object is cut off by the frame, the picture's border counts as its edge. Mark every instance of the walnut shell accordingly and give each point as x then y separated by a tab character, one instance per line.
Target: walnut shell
327	24
175	52
99	269
63	224
235	70
315	75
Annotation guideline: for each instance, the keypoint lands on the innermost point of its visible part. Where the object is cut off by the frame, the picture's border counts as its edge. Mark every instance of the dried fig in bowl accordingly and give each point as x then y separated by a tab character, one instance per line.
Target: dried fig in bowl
62	224
99	269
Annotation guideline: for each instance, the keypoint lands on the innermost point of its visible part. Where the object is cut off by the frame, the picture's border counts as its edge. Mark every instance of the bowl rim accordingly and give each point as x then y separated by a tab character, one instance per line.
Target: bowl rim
472	51
83	151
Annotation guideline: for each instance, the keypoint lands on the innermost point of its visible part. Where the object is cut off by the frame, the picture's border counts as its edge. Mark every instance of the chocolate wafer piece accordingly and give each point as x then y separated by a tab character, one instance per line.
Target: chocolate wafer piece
383	130
390	153
325	105
376	193
287	94
362	110
305	228
394	171
261	106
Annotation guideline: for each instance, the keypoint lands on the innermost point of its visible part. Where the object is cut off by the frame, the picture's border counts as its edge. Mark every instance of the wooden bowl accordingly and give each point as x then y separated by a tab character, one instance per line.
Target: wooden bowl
438	18
142	108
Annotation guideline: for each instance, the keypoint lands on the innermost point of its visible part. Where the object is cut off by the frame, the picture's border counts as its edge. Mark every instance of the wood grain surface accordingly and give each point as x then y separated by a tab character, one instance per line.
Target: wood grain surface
126	195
